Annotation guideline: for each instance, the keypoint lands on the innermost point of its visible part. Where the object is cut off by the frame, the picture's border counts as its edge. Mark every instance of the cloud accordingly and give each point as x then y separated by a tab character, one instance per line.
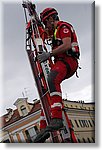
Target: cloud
17	73
86	94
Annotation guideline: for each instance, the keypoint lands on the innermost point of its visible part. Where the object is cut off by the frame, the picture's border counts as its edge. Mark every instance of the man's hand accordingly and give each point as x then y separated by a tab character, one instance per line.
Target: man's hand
43	56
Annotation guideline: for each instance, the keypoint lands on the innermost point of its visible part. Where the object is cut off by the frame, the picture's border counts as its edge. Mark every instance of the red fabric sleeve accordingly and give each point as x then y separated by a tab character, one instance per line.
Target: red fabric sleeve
64	32
43	34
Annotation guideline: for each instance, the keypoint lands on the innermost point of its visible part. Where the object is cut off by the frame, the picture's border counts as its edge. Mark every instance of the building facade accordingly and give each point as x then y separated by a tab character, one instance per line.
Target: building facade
82	117
22	124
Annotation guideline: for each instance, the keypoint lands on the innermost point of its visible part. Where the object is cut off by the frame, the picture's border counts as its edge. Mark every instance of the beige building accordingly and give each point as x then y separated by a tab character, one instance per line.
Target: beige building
82	117
22	124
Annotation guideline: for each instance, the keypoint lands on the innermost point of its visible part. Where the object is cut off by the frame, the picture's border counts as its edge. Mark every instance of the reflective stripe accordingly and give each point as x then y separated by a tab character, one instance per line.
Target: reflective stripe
55	33
42	118
74	44
56	105
56	93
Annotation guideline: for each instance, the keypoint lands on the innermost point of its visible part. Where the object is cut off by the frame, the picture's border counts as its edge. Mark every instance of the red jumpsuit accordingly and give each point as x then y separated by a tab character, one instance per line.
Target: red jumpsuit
65	66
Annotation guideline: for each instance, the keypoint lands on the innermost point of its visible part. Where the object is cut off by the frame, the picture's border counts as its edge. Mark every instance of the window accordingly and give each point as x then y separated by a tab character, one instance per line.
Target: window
90	123
89	140
36	129
6	141
89	108
66	105
31	133
28	136
93	108
84	140
93	140
93	122
76	123
24	110
83	123
79	141
87	124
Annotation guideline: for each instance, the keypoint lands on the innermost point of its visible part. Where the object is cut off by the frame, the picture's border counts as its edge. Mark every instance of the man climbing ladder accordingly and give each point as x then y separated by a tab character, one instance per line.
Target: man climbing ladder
65	51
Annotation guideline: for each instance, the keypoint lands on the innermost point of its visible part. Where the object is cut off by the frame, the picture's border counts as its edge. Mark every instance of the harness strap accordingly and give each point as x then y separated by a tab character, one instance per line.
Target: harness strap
77	72
72	51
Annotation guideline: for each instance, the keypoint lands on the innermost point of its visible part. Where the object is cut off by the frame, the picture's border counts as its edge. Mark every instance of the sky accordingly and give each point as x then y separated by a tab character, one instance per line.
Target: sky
16	70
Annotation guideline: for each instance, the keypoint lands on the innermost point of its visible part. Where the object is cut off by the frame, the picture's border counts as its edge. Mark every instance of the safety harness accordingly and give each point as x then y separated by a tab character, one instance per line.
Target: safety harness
57	41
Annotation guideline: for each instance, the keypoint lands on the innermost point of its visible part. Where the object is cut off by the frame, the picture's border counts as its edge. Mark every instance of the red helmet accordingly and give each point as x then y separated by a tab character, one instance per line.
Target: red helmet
46	13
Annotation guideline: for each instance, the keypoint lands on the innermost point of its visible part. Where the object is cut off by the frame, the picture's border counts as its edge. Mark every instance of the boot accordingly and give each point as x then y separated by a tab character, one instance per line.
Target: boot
55	124
42	136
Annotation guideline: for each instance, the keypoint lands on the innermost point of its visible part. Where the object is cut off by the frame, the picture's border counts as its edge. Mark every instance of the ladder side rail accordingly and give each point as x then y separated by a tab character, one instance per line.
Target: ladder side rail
43	98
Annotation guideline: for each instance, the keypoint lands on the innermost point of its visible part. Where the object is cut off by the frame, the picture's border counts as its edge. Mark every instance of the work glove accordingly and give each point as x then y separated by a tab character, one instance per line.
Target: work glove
43	56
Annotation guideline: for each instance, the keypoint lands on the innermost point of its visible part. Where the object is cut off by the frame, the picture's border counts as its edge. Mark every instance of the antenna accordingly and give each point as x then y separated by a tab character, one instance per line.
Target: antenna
66	96
23	94
26	93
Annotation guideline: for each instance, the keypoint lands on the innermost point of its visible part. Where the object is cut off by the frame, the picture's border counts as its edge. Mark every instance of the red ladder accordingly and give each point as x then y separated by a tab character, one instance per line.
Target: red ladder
34	45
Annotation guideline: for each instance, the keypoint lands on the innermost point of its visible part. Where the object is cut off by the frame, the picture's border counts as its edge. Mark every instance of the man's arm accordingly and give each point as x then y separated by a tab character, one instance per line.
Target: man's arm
60	49
63	47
